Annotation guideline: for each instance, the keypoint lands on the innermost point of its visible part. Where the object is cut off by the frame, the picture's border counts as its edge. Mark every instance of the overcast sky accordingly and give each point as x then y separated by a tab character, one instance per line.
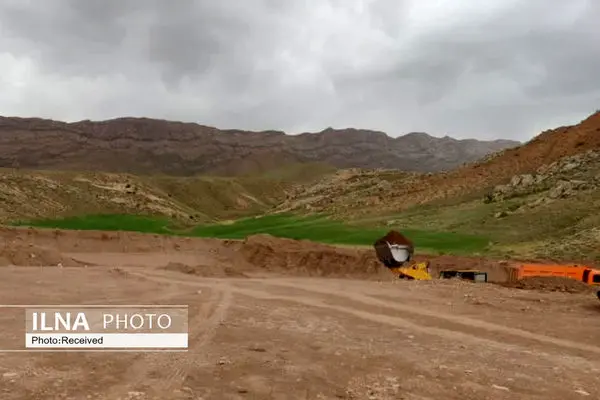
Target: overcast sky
464	68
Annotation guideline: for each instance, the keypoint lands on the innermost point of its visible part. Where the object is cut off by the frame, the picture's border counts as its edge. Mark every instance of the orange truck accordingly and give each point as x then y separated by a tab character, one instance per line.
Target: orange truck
581	273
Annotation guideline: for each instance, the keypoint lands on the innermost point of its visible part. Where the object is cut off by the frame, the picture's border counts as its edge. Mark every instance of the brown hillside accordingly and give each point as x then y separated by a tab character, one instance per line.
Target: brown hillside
149	146
544	149
27	194
377	191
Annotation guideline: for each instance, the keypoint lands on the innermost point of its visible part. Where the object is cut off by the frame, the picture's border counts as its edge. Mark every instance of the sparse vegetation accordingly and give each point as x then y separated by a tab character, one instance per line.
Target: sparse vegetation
27	195
546	204
536	223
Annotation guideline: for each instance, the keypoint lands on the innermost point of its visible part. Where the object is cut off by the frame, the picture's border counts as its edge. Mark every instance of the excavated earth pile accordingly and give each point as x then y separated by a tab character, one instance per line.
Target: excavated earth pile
301	257
256	254
28	255
211	270
197	256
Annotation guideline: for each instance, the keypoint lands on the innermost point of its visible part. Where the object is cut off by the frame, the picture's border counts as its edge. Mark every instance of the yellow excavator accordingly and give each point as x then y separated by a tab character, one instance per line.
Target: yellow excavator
396	251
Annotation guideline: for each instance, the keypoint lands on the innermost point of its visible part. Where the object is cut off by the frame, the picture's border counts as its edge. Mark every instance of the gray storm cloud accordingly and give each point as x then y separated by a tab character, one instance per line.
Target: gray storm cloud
494	69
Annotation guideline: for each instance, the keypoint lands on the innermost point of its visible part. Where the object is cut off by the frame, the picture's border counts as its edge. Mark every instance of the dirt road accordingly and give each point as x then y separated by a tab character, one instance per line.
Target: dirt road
315	338
279	320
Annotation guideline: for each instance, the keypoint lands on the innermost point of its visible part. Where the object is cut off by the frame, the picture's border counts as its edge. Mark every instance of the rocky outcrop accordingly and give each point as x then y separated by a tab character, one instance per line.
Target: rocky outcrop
148	146
560	179
363	192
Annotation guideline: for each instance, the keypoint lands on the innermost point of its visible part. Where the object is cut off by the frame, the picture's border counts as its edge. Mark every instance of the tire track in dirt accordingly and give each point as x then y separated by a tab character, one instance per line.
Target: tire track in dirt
455	319
149	367
464	323
172	291
32	361
446	333
207	329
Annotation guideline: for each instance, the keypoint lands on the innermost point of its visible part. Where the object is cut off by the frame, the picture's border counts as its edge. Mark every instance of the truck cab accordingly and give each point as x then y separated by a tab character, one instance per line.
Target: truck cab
591	276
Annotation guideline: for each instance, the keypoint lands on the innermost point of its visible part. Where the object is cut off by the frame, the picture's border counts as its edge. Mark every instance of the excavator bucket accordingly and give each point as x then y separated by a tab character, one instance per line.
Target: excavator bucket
394	249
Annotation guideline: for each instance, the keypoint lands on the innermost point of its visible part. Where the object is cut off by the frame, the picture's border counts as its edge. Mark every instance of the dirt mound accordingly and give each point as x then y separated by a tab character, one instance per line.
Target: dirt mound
20	254
94	241
550	284
217	271
306	258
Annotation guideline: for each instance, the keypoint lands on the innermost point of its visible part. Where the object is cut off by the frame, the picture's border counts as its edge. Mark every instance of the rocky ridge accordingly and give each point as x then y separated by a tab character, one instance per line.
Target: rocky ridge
149	146
560	179
567	188
560	162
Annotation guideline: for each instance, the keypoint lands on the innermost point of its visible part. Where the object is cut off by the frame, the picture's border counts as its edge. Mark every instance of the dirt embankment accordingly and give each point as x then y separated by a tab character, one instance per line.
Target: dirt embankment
210	270
206	257
551	284
257	254
90	241
22	254
307	258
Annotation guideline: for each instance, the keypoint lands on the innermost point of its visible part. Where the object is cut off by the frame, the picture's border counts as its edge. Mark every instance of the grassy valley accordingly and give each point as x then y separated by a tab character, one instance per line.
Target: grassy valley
540	200
35	195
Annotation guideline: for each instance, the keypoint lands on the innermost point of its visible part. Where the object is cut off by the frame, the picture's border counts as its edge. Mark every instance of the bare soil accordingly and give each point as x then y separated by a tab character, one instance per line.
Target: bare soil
287	322
551	283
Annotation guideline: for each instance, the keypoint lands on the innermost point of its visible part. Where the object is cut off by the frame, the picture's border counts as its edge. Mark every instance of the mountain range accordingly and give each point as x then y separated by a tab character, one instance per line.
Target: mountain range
152	146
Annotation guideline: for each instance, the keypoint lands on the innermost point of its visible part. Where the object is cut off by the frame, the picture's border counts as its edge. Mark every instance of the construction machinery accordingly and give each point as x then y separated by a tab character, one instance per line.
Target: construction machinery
582	273
395	251
467	274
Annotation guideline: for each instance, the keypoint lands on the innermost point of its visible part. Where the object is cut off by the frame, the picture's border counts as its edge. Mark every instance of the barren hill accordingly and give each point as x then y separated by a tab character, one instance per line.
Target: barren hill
29	194
363	190
541	200
148	146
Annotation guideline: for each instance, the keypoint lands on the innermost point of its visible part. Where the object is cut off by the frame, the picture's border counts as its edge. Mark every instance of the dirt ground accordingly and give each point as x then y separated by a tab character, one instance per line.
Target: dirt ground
276	319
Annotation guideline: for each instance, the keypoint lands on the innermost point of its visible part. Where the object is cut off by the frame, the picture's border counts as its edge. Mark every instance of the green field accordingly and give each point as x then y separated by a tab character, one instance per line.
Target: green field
315	228
105	222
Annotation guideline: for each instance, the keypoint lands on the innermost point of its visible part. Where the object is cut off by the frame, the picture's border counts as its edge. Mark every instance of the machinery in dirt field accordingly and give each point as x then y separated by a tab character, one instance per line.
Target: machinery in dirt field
582	273
396	251
466	274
